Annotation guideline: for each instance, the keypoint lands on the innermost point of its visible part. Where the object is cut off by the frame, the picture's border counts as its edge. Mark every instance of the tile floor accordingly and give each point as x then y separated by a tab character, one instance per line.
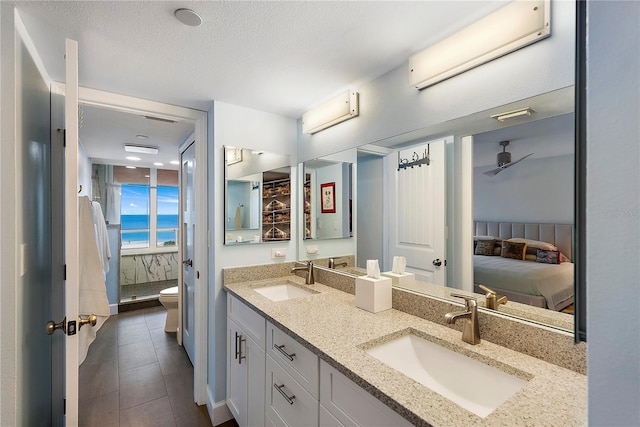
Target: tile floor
135	374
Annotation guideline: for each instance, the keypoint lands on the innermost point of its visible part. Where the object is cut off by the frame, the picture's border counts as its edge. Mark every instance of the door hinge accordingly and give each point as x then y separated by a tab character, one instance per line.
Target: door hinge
64	271
64	406
64	137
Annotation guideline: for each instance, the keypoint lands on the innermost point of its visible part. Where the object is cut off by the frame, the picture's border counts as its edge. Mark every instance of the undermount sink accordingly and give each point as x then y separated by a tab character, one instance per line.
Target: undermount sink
284	291
475	386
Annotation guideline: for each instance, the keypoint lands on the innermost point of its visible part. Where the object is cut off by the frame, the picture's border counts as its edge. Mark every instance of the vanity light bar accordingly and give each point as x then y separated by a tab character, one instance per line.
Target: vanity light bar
336	110
516	25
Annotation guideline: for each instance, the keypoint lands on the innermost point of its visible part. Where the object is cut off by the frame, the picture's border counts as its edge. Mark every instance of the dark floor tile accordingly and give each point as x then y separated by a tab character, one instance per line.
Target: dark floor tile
137	332
198	418
231	423
103	411
180	391
97	378
130	318
156	319
154	413
104	348
141	385
174	359
134	355
162	339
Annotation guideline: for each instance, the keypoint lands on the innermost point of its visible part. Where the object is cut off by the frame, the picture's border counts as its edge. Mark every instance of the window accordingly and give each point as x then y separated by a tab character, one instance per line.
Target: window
167	219
149	214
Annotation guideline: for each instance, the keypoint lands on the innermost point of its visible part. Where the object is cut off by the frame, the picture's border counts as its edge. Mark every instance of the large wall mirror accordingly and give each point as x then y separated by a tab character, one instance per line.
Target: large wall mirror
257	196
328	198
537	190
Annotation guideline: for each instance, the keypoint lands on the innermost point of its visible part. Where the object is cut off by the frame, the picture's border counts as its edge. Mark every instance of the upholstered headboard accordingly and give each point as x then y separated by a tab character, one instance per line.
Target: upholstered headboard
560	235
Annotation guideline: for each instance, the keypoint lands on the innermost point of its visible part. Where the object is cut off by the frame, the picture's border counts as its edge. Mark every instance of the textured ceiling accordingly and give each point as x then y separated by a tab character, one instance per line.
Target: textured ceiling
280	57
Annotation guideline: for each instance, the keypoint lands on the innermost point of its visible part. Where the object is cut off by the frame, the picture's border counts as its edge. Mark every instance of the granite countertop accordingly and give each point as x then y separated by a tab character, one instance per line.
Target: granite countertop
330	325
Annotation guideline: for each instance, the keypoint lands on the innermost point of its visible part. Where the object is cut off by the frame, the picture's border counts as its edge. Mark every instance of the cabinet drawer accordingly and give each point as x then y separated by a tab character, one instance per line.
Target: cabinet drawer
294	358
352	405
251	322
288	404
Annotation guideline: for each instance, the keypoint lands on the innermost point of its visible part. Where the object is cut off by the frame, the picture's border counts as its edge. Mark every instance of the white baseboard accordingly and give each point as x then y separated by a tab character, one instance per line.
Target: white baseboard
218	411
113	309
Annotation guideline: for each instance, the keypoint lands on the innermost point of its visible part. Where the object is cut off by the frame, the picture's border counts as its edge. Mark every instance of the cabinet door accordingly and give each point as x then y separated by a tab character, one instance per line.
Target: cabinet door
255	363
236	375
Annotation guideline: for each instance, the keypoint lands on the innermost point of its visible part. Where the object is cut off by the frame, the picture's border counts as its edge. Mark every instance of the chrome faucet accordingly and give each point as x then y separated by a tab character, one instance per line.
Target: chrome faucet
309	280
492	301
332	263
471	328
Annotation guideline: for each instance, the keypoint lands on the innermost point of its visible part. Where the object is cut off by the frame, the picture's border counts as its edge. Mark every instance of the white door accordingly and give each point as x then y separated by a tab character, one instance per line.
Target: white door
71	231
188	207
417	228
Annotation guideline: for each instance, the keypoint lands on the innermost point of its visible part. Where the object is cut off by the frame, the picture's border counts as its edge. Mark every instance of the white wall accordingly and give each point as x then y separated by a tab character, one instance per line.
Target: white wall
247	128
613	213
84	172
389	107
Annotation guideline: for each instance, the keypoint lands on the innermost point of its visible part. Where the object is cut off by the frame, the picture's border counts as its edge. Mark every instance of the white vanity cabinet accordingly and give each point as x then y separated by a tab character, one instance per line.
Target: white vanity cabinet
292	387
245	363
344	403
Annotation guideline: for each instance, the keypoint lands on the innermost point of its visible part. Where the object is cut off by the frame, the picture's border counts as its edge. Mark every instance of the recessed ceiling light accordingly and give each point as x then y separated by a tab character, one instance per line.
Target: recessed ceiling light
132	158
174	162
140	149
188	17
158	164
130	167
142	137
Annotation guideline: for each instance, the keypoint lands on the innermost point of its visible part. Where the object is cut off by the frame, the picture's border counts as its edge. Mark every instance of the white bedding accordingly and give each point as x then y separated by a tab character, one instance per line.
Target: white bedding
552	281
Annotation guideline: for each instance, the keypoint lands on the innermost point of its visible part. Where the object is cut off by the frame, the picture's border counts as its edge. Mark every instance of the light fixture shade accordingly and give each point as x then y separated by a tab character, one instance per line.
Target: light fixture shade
140	149
509	28
501	117
336	110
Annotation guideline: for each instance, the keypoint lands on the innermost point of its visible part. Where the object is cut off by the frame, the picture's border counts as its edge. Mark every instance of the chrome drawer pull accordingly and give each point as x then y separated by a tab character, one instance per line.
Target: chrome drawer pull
279	388
284	353
241	356
237	352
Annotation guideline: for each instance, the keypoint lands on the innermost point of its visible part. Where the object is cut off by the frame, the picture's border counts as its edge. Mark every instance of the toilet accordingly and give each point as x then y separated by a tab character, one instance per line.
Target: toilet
169	298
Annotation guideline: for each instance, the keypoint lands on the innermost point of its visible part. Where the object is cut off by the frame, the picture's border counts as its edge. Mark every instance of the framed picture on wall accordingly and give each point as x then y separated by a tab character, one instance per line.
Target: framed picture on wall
328	195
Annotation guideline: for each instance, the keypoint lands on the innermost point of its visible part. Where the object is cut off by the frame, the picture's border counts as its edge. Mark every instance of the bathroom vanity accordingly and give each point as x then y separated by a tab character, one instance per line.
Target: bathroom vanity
305	358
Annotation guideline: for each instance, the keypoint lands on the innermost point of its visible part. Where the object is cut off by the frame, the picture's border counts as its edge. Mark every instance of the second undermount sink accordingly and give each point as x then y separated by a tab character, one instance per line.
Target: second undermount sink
475	386
284	291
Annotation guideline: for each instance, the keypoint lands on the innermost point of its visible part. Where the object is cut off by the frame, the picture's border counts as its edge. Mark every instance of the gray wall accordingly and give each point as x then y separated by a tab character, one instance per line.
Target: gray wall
370	210
534	190
613	213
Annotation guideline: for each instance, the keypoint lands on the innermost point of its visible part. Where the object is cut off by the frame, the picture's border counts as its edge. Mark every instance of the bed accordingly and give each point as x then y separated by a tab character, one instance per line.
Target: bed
526	281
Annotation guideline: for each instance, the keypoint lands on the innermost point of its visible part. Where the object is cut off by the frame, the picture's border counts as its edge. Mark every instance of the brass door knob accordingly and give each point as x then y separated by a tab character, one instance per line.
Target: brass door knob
53	326
90	319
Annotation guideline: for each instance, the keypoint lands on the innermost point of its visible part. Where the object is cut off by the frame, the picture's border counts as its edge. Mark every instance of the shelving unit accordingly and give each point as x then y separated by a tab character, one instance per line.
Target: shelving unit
276	210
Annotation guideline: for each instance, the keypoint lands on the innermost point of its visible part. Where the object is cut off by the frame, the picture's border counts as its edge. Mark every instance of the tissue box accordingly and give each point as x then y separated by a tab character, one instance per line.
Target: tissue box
373	295
405	279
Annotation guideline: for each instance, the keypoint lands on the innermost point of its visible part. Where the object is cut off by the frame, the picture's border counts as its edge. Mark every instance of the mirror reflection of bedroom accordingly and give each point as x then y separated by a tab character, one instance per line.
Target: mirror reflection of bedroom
523	212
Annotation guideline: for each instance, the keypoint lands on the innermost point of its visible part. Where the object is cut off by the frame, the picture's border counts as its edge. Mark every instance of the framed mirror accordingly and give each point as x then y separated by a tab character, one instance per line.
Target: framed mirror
328	196
257	196
472	147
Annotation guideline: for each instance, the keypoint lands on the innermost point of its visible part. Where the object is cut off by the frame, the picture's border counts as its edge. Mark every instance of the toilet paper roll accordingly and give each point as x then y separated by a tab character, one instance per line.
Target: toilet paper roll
399	264
373	268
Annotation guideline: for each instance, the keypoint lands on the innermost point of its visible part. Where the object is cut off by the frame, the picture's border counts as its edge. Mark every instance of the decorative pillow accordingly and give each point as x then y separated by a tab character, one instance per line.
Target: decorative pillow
514	250
528	256
534	245
548	257
484	247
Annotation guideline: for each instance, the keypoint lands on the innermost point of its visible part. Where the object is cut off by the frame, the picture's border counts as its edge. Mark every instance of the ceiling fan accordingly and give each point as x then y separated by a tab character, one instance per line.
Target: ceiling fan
504	160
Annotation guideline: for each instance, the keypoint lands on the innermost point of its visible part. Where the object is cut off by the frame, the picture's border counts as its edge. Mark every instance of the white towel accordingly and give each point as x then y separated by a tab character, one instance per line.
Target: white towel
92	288
102	239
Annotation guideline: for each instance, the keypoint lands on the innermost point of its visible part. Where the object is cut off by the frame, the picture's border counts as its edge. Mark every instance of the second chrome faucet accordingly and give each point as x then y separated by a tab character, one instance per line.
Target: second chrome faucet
471	328
309	279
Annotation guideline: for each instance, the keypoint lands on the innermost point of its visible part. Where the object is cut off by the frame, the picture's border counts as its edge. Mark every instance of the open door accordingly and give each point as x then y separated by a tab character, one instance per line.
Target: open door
187	197
71	231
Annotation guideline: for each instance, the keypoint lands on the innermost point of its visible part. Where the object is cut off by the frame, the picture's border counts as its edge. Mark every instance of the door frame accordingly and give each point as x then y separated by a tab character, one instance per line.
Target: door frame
128	104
